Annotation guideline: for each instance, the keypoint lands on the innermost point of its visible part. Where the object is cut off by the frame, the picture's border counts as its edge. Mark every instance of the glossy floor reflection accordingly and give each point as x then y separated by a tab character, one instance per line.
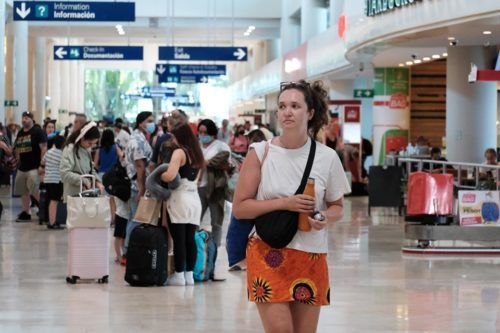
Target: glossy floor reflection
375	287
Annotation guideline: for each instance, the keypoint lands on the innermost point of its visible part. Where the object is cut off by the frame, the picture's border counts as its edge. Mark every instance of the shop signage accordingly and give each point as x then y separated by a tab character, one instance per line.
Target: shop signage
207	70
479	208
10	102
74	11
87	52
352	114
363	93
202	53
377	7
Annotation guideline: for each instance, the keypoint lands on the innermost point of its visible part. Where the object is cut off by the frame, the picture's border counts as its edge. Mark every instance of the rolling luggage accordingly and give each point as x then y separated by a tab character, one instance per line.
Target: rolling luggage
206	255
88	236
43	205
147	256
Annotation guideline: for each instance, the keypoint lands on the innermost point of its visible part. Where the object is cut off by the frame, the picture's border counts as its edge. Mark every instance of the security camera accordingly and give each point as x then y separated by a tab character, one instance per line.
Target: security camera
453	42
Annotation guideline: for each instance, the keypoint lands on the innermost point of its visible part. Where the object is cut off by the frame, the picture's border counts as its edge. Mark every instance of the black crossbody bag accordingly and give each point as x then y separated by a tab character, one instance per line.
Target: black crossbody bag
278	228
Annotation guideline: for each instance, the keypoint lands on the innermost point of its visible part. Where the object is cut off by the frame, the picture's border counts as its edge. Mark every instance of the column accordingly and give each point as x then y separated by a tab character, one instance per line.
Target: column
391	112
2	62
290	28
336	9
39	81
313	19
21	65
471	108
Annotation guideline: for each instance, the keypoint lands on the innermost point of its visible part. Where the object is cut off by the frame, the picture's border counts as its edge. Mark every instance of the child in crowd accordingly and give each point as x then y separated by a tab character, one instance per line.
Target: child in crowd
53	183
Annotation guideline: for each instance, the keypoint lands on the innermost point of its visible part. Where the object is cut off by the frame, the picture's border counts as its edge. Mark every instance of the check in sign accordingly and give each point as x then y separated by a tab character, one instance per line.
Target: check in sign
89	52
74	11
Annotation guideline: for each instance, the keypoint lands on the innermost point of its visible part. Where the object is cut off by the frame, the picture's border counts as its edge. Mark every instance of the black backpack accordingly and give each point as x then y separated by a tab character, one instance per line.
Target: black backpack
117	183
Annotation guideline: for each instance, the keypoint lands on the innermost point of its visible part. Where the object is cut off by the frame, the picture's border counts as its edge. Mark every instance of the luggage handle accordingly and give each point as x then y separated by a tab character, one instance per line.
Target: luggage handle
92	177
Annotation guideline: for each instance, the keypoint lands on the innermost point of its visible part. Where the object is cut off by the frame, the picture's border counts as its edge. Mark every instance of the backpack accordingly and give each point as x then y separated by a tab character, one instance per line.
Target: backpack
206	255
117	183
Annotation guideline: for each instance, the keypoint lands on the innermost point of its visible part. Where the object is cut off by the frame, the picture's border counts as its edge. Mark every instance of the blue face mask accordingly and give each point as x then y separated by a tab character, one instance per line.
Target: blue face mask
205	139
150	128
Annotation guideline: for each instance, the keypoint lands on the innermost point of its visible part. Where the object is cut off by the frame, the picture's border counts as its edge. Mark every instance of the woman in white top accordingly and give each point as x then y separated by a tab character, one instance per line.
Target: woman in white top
289	285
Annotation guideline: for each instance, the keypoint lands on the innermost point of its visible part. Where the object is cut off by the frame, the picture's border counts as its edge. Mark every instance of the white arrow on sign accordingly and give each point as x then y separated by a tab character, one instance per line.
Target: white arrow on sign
240	54
160	69
204	79
60	52
23	12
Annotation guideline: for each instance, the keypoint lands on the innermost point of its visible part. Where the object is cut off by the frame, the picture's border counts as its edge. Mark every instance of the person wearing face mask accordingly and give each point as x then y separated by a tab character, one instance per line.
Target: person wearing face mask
137	157
76	160
216	154
50	130
239	141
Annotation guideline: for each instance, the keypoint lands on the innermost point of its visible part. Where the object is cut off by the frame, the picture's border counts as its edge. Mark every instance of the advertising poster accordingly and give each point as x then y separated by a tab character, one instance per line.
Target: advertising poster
479	208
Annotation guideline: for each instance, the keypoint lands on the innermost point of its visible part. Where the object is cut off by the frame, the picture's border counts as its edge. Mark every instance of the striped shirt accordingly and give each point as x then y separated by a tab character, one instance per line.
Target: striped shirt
52	162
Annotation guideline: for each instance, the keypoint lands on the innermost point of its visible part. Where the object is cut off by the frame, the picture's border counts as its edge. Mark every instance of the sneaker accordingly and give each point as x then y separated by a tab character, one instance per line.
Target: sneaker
23	217
189	278
123	261
51	226
176	279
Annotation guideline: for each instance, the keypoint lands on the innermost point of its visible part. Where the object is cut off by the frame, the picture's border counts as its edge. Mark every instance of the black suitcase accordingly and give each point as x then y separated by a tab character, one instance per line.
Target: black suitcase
147	256
62	213
43	205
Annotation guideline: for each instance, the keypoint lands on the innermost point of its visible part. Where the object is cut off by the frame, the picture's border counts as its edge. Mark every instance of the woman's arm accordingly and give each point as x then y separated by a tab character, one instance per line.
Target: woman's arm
96	158
66	168
245	206
5	148
178	160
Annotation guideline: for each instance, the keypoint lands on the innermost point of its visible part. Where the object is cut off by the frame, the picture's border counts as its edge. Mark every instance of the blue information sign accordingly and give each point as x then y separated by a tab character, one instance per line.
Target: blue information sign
150	92
88	52
215	53
207	70
187	79
74	11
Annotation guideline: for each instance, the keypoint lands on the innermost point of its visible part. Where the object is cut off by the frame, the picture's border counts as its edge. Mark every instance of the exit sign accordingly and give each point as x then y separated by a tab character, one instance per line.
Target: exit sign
11	103
363	93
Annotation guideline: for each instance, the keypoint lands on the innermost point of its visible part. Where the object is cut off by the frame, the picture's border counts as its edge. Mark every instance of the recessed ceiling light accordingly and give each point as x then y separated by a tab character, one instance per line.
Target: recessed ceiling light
409	63
486	32
436	56
451	38
251	28
426	59
401	65
418	61
445	54
246	33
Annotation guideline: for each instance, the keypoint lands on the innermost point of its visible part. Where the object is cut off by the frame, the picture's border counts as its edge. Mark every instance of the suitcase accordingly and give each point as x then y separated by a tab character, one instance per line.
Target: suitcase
147	256
430	194
43	205
88	254
62	213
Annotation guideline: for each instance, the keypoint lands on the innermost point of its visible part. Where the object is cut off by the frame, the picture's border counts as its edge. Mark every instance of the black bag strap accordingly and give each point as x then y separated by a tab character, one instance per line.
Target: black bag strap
307	171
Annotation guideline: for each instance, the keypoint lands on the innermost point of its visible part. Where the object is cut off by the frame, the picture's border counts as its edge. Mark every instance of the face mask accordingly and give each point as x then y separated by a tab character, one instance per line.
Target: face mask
205	139
51	136
150	128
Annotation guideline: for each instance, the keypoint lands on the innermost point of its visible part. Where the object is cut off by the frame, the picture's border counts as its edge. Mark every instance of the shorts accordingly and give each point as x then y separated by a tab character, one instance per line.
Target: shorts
27	182
286	275
120	227
54	191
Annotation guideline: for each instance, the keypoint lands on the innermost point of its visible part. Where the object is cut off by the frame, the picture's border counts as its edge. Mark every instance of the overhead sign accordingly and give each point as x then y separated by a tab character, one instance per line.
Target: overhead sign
203	53
150	92
363	93
186	79
373	7
74	11
207	70
10	102
87	52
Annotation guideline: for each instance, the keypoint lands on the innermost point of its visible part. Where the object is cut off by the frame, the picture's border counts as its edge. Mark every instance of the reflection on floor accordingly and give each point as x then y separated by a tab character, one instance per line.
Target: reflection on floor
375	287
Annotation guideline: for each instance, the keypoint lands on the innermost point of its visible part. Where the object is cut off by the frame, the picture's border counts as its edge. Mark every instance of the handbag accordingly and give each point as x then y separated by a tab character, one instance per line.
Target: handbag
278	228
148	210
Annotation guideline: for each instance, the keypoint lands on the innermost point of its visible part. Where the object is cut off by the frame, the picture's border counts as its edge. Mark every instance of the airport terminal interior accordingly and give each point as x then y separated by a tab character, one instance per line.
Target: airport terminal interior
98	211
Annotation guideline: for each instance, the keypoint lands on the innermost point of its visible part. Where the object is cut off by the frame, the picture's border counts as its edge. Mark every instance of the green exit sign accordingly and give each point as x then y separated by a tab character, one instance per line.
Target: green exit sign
11	102
363	93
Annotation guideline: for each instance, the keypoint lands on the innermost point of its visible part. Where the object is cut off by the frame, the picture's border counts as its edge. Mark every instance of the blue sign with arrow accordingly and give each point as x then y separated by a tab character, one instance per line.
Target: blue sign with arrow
186	79
88	52
74	11
197	53
207	70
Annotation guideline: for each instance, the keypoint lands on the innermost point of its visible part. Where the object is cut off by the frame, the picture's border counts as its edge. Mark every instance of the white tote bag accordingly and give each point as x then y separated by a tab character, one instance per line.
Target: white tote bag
88	211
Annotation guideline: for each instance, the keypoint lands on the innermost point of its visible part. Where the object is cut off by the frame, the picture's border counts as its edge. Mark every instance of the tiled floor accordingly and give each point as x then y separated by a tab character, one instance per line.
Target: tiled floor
375	287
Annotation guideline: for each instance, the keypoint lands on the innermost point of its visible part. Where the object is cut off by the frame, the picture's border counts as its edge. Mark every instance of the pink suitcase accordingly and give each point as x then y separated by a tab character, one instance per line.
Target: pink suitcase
88	254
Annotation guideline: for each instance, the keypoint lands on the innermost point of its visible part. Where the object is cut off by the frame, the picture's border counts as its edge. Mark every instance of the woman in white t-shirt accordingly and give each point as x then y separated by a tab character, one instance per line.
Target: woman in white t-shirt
289	285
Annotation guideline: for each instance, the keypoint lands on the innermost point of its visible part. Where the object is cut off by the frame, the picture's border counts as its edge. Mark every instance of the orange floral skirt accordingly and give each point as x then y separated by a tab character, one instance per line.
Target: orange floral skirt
286	275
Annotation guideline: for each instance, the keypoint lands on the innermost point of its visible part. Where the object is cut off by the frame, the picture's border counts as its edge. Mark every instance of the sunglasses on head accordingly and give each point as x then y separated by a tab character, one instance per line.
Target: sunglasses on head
294	84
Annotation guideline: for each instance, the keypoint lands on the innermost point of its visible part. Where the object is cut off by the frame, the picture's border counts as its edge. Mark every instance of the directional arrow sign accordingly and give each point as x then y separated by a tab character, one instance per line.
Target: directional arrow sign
88	52
186	79
197	53
208	70
363	93
160	69
74	11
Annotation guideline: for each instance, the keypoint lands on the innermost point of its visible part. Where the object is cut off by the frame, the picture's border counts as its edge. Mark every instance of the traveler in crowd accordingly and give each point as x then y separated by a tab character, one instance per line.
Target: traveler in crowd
49	127
137	157
435	156
153	137
76	160
12	131
290	285
239	141
224	134
267	132
490	156
256	136
184	210
121	134
5	171
53	184
30	146
212	193
247	126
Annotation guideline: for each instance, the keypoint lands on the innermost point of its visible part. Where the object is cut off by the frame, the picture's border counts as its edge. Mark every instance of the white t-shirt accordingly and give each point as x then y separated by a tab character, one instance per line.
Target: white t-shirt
122	139
208	153
281	175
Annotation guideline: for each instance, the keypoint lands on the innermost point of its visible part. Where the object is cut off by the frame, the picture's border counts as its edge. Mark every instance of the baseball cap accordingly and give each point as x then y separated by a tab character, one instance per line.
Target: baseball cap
28	114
